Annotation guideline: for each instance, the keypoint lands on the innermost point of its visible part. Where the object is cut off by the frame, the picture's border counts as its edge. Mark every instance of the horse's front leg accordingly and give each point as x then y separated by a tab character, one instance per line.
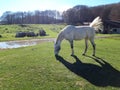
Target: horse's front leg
72	48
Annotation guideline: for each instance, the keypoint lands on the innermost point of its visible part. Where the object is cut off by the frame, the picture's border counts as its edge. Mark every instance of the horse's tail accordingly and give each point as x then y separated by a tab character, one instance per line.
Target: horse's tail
97	23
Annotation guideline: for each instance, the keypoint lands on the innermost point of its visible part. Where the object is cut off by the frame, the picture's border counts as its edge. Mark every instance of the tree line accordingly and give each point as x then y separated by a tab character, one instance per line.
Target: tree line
82	13
35	17
76	15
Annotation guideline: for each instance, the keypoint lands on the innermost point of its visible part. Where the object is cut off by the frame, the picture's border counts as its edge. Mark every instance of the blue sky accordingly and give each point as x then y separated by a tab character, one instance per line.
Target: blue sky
61	5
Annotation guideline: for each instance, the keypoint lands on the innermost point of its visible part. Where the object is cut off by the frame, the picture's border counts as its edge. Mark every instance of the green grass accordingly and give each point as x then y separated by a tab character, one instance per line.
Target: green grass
8	32
36	68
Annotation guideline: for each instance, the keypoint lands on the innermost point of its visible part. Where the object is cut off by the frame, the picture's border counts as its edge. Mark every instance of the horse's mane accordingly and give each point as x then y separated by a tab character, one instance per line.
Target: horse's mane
59	37
97	23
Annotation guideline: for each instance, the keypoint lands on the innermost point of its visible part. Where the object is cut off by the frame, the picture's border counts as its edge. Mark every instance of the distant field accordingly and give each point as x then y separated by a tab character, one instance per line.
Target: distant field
36	67
8	32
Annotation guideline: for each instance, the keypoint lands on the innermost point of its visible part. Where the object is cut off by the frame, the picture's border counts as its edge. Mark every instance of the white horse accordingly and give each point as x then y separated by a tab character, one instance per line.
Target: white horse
71	33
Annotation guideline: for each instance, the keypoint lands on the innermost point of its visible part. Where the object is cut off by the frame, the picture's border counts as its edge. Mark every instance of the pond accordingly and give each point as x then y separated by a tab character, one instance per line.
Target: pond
22	43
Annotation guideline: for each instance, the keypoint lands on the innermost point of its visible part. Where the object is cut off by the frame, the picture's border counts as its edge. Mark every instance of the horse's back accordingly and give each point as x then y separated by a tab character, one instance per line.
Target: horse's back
87	31
78	32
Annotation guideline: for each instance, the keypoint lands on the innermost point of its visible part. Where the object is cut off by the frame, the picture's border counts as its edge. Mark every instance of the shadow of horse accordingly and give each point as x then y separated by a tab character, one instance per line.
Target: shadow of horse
99	75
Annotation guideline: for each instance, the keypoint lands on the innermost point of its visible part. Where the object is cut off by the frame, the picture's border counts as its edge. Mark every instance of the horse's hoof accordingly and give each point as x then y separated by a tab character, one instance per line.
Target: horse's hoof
93	55
56	55
72	54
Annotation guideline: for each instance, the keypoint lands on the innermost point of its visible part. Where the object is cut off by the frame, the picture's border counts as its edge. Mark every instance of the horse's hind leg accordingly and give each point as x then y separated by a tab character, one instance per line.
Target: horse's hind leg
86	46
94	46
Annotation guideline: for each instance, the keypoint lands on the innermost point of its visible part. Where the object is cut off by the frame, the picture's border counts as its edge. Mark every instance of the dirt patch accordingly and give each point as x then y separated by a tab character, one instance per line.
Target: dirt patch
37	41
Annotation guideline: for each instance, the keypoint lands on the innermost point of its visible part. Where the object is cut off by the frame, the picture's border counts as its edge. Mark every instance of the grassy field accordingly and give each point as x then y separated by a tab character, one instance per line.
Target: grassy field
36	67
8	32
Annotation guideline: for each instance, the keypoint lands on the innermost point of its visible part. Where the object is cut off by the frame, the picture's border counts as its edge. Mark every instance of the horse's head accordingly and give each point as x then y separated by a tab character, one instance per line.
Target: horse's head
56	48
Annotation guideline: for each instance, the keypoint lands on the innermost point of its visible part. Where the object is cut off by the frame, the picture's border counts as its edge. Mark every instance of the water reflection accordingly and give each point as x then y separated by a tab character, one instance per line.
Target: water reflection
23	43
13	44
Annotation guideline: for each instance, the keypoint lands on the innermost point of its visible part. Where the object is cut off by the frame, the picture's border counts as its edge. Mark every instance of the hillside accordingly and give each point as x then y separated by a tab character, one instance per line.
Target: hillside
8	32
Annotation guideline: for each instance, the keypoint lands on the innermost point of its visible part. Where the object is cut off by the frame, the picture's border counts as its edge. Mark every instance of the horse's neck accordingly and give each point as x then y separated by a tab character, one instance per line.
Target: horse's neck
59	38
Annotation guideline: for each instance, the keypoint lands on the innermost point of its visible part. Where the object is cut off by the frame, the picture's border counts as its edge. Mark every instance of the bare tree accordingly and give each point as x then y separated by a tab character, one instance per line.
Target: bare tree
115	13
